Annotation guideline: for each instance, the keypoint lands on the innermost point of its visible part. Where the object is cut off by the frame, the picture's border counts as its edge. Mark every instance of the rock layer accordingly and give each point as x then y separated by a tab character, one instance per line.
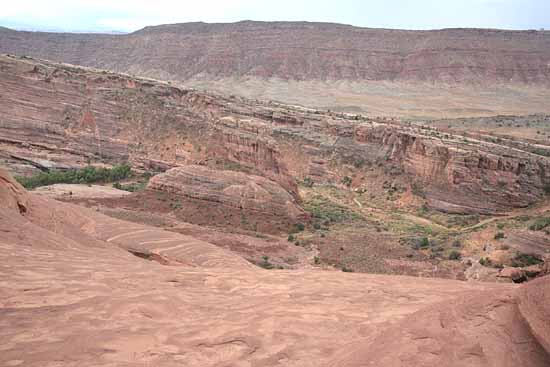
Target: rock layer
227	188
80	115
301	51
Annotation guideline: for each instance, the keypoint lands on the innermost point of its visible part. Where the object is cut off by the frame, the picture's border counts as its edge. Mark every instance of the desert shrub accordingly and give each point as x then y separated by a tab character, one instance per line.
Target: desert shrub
455	255
424	242
540	224
346	181
499	235
132	187
547	189
87	175
500	225
308	182
485	261
521	260
265	263
300	226
290	237
316	225
347	270
316	260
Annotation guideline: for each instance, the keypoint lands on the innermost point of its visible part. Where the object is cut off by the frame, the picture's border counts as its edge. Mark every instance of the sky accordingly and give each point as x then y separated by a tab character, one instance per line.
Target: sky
131	15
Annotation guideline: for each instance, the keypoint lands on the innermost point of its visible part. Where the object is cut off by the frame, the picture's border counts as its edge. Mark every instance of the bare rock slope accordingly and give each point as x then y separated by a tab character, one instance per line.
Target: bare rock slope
71	278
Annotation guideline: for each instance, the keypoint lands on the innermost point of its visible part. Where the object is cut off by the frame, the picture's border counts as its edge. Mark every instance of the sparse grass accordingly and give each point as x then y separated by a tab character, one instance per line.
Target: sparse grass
540	224
85	175
308	182
327	211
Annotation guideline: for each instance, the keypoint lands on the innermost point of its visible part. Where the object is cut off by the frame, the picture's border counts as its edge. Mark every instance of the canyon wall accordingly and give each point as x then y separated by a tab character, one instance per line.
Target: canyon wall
60	116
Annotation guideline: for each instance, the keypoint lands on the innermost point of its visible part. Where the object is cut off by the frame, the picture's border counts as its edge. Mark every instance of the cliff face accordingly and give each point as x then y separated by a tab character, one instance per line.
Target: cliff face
301	51
61	116
463	176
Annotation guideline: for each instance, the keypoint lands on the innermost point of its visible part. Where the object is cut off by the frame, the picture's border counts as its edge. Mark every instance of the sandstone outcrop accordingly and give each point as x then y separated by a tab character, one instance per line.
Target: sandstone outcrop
81	115
70	276
459	176
235	190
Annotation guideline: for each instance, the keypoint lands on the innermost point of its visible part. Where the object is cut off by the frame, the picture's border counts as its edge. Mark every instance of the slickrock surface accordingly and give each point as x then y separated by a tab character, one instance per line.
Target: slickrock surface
233	189
72	294
56	115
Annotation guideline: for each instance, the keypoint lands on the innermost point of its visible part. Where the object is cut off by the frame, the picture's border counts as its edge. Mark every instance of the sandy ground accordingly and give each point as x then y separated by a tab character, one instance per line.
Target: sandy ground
80	191
382	98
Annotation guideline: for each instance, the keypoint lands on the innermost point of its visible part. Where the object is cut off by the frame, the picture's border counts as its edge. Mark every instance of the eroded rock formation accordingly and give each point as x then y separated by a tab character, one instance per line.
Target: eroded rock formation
71	276
236	190
80	115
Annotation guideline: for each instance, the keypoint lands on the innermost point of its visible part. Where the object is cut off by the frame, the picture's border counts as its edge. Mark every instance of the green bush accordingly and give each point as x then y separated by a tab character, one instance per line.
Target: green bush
299	227
85	175
455	255
424	242
521	260
347	270
290	238
346	181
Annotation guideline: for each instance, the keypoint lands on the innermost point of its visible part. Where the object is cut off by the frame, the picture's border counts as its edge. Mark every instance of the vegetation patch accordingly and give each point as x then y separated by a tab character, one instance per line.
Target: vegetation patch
540	224
131	187
327	211
85	175
521	260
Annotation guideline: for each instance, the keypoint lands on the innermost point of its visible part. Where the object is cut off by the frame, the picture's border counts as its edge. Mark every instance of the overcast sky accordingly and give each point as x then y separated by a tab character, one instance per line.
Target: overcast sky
130	15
